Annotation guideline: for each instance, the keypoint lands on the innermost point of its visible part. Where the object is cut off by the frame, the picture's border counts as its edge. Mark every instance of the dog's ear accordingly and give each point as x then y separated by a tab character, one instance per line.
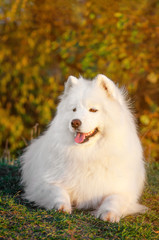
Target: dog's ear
71	81
107	85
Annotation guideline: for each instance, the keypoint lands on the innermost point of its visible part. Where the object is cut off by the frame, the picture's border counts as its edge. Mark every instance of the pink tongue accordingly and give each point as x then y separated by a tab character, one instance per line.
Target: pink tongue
80	138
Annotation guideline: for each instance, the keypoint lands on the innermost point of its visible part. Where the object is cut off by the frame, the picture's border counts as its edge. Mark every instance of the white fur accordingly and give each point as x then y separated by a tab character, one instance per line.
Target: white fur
106	173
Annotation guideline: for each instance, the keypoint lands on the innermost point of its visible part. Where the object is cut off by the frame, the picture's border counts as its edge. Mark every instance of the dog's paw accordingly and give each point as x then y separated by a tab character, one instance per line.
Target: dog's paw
63	207
109	216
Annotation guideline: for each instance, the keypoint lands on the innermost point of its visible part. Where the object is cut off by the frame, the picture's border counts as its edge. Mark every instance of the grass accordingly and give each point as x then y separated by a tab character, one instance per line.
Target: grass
21	220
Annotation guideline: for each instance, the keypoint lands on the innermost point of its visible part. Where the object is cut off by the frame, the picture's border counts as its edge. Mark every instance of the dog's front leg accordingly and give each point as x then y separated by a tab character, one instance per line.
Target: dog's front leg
53	196
111	208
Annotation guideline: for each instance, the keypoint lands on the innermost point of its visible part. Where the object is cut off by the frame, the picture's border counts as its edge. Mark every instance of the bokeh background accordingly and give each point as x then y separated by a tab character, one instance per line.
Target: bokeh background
43	42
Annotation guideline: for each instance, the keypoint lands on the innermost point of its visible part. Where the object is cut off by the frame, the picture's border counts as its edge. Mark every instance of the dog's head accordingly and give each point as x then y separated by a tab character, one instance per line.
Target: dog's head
88	105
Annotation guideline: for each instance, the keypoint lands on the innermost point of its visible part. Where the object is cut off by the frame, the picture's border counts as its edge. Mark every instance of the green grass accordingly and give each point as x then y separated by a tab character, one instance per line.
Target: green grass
21	220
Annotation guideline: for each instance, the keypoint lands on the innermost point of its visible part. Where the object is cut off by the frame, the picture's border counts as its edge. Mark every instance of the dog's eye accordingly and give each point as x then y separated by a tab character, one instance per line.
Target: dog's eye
74	110
93	110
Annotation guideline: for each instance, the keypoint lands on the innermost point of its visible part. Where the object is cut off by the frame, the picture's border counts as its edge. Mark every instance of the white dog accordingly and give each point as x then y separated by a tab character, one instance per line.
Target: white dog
90	157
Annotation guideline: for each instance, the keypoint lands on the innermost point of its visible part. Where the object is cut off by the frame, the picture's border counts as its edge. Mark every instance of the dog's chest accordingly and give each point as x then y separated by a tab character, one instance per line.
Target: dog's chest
88	185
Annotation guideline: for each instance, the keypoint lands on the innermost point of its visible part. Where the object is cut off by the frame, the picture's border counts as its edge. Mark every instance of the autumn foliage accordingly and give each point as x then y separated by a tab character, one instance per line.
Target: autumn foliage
43	42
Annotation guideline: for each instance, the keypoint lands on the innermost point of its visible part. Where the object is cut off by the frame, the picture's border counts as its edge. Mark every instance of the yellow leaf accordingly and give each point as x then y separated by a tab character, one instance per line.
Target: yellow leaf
152	77
118	14
144	119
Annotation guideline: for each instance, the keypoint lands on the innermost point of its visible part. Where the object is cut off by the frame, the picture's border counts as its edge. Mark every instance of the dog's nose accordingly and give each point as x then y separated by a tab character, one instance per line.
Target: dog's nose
76	123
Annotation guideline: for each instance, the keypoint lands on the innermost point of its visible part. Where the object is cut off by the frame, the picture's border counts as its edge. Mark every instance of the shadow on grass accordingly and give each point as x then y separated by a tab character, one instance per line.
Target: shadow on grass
10	177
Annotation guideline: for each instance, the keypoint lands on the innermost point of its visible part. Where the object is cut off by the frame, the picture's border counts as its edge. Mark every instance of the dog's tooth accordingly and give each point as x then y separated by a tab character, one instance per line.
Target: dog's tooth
90	133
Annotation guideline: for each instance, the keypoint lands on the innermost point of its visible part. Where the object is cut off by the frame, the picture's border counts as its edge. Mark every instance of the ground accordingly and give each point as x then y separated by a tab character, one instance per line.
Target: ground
22	220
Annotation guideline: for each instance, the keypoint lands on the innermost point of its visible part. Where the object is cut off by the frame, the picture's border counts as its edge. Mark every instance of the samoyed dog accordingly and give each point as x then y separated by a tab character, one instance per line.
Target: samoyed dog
90	157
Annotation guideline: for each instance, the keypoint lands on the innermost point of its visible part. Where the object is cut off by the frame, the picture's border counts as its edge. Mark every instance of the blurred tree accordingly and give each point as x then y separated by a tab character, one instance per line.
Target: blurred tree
43	42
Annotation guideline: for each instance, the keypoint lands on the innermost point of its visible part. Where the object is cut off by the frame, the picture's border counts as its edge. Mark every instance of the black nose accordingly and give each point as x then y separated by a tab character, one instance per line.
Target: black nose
76	123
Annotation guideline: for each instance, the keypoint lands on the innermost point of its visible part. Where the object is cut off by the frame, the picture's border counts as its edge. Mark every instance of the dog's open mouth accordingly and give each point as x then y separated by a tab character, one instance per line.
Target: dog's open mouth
84	137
